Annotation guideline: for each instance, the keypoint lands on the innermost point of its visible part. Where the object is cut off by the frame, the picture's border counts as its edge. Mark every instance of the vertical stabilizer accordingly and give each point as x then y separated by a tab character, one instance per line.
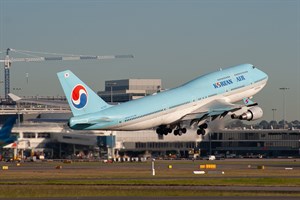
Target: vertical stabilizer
7	127
81	98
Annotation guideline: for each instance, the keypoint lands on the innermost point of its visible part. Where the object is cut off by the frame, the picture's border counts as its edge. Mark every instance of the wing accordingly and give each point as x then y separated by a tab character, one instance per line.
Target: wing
217	108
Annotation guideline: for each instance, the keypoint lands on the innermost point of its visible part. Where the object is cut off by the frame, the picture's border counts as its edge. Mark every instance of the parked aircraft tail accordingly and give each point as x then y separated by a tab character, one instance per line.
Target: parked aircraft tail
81	98
7	127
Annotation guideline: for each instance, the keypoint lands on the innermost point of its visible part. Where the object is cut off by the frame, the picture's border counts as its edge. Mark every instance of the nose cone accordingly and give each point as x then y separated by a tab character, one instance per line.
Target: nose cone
260	75
264	75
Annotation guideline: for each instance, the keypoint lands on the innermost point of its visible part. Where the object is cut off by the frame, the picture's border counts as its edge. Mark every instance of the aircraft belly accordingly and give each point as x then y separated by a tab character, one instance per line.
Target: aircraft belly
143	124
175	116
165	118
247	92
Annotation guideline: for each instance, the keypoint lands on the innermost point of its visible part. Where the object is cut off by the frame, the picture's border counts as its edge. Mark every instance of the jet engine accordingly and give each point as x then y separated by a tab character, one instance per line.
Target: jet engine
251	114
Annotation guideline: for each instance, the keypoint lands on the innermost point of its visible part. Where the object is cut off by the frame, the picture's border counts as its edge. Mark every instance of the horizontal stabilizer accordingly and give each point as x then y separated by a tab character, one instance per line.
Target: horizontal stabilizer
248	102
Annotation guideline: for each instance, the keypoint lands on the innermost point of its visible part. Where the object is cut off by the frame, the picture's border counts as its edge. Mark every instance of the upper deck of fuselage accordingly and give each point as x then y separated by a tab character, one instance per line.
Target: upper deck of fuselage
226	76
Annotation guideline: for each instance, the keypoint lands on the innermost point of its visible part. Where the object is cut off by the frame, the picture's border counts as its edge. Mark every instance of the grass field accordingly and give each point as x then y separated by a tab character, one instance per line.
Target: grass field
135	179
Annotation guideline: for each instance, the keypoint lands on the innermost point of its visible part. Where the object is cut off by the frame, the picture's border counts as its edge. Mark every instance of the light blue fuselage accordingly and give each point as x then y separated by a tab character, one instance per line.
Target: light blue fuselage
167	107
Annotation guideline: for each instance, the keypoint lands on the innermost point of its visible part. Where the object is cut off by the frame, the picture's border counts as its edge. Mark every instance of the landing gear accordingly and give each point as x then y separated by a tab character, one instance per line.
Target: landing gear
177	132
180	131
163	130
203	126
201	130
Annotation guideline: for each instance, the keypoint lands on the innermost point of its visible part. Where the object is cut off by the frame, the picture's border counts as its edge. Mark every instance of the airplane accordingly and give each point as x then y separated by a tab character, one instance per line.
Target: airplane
5	132
198	102
57	103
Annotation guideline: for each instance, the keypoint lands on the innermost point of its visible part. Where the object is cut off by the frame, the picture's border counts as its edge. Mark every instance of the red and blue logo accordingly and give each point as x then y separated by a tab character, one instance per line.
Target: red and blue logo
79	96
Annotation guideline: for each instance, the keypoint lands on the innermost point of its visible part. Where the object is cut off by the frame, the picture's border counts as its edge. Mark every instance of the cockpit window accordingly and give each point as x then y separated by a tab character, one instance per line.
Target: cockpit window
253	67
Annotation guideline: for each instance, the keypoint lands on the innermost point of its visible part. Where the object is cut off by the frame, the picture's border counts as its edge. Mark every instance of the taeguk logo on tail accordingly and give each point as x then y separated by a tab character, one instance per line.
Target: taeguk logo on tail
79	96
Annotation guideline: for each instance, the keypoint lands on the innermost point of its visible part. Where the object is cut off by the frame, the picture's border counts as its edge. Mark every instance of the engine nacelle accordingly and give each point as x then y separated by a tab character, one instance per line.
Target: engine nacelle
251	114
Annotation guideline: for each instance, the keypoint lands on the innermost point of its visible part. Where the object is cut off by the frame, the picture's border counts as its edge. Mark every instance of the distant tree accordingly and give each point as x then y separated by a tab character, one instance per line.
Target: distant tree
296	124
280	123
273	124
264	124
239	123
236	124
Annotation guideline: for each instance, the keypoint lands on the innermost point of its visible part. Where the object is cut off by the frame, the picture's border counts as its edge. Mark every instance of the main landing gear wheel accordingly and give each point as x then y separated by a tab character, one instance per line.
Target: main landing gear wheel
163	130
177	132
201	131
180	131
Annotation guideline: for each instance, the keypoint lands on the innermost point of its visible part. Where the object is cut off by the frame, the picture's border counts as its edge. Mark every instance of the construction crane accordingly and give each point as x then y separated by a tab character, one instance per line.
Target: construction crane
55	57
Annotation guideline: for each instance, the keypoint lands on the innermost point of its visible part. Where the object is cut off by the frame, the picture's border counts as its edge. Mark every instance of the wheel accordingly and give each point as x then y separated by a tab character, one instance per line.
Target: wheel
158	131
183	130
203	126
176	132
201	132
165	131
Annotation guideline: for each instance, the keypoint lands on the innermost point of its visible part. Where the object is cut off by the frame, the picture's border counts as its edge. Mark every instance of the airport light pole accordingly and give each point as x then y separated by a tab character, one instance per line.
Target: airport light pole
283	92
274	110
18	106
210	150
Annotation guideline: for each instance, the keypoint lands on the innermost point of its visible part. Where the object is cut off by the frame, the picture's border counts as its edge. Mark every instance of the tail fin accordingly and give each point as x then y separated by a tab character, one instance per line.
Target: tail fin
7	127
81	98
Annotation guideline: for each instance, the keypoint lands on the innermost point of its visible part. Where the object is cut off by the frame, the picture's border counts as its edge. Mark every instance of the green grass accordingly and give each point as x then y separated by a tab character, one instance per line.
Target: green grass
81	191
292	182
135	179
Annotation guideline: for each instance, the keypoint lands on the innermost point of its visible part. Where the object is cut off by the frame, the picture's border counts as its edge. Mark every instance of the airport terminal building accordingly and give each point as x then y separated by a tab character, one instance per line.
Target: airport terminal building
267	142
55	141
129	89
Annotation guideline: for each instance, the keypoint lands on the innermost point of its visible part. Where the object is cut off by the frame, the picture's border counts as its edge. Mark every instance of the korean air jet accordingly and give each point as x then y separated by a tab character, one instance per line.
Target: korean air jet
5	132
194	103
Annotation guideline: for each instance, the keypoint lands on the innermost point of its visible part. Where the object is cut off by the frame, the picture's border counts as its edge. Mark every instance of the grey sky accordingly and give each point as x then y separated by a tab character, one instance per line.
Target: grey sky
172	40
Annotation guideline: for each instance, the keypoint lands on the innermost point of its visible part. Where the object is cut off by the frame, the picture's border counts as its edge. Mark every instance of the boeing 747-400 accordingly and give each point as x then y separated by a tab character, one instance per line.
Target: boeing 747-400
210	96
